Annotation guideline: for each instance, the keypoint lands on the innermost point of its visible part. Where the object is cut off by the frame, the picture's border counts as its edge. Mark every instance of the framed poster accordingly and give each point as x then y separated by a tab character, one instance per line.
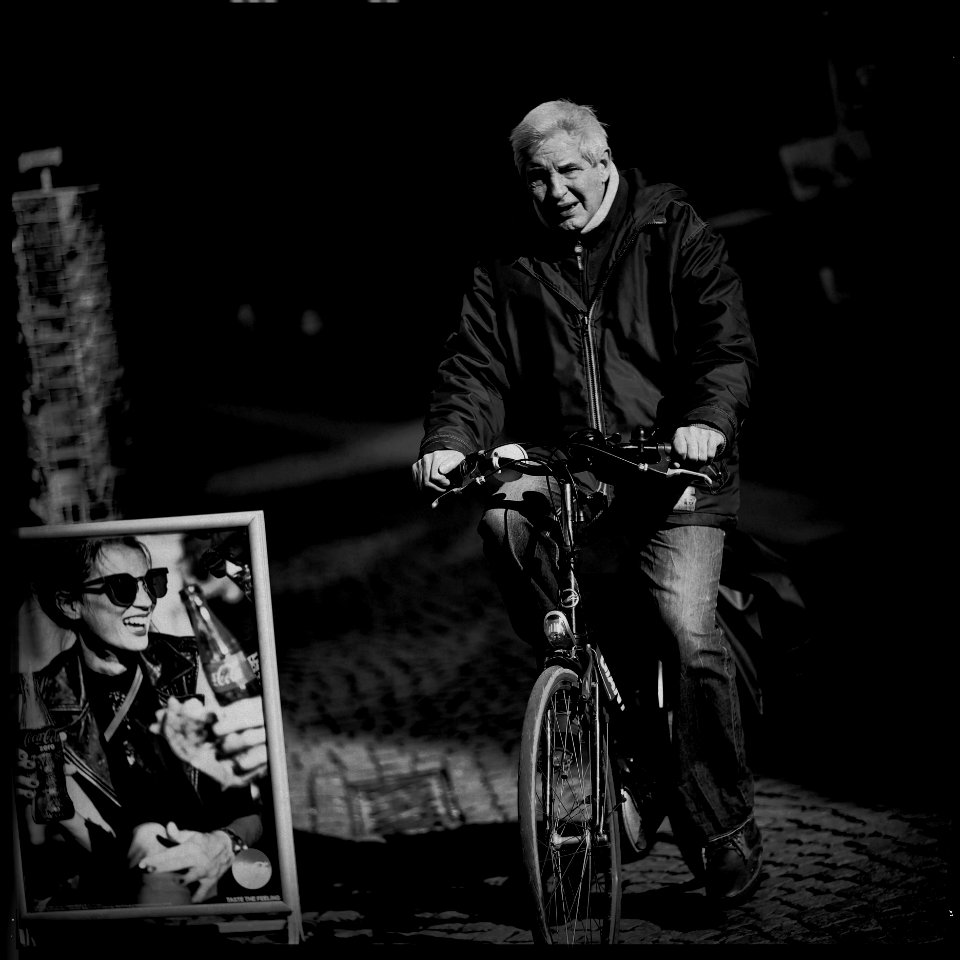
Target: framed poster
150	772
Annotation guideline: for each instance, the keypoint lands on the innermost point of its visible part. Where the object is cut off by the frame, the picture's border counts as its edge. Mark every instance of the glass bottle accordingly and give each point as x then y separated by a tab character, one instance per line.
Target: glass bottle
230	673
43	745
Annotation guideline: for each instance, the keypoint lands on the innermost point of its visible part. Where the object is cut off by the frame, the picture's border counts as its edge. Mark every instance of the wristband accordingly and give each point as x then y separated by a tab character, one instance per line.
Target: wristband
236	841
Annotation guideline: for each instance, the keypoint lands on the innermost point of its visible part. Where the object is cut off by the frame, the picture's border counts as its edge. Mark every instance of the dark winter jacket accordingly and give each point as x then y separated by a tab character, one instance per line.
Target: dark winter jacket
639	323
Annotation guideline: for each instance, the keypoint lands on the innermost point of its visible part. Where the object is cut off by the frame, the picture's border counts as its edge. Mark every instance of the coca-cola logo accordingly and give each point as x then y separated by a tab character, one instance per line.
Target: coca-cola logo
44	739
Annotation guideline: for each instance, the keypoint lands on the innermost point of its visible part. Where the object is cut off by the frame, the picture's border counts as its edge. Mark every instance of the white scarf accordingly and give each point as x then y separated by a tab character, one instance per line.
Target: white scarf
612	181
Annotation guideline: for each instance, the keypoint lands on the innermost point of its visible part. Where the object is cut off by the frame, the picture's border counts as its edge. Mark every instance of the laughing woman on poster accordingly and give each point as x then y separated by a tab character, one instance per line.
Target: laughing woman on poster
145	827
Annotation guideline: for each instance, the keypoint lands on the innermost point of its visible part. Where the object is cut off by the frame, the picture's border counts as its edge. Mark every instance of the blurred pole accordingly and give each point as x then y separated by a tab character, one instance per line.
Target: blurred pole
71	398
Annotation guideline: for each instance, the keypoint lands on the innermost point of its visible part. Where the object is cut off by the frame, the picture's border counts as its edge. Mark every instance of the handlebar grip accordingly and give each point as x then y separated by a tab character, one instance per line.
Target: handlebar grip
463	469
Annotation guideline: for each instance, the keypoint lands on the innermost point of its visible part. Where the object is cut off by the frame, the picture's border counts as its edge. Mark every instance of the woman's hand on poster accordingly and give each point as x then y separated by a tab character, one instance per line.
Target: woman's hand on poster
147	840
201	858
85	813
228	745
27	781
25	787
241	736
186	725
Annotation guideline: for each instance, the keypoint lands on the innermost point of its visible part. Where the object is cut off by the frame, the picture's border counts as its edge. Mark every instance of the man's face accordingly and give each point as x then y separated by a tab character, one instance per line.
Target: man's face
123	628
566	189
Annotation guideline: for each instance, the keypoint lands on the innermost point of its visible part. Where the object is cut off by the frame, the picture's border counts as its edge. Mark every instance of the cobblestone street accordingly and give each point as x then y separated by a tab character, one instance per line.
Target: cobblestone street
403	691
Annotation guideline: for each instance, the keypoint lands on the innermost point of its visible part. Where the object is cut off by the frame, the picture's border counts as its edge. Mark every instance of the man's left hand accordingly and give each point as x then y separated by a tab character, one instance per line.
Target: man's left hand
697	444
204	857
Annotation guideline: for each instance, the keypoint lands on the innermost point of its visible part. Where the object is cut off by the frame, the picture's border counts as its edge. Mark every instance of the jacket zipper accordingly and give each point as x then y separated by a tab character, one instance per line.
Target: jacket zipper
591	364
593	372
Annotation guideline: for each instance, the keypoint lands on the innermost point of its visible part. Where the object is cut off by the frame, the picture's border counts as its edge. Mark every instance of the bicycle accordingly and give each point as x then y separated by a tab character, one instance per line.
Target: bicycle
574	806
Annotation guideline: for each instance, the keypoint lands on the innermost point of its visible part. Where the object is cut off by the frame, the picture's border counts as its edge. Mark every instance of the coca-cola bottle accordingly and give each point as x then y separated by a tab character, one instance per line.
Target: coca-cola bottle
227	667
43	745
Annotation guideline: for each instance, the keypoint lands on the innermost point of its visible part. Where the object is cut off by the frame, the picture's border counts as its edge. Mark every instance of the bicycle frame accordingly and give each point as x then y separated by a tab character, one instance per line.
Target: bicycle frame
595	674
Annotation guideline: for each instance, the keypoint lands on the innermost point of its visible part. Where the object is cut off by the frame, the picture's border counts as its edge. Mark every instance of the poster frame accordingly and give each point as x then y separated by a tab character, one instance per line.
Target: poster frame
252	913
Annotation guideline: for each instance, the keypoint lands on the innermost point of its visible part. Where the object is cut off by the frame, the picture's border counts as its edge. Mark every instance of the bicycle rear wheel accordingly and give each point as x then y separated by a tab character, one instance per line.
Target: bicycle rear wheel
572	856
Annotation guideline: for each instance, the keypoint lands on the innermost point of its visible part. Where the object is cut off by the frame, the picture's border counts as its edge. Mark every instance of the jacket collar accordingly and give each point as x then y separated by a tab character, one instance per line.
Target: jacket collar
633	203
59	681
169	663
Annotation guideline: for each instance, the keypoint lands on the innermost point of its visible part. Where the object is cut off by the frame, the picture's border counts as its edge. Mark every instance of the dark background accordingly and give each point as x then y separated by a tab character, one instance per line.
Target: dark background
354	163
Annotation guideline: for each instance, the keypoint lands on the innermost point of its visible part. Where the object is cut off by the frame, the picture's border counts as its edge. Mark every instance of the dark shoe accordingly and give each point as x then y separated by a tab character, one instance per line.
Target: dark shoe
732	864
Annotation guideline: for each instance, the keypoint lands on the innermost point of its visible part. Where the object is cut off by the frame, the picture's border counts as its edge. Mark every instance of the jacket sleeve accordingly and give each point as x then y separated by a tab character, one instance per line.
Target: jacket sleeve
466	409
717	357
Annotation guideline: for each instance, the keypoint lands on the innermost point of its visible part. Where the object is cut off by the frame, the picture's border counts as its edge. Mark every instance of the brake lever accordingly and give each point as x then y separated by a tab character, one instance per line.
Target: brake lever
695	477
453	491
501	471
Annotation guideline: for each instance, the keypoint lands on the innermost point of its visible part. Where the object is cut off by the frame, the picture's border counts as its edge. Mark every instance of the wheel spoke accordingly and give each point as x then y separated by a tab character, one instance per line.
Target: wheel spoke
570	869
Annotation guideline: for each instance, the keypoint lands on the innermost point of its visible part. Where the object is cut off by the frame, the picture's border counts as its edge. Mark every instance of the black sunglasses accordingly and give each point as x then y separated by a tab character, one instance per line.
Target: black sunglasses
122	588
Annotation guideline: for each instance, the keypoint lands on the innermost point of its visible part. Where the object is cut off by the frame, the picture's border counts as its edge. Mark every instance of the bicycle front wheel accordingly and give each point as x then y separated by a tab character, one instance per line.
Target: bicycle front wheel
571	844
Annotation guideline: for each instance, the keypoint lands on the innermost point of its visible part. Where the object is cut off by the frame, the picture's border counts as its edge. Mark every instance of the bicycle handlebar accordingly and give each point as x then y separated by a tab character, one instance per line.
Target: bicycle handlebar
584	450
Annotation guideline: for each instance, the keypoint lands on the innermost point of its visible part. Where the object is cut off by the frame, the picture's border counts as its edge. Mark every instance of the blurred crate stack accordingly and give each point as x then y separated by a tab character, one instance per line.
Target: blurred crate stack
72	393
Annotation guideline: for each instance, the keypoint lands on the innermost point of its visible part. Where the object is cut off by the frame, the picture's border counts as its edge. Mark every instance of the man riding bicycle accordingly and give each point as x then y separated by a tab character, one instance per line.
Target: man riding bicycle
617	311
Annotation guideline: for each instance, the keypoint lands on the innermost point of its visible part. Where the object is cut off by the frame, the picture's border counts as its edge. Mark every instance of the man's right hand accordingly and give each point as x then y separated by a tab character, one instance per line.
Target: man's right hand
430	471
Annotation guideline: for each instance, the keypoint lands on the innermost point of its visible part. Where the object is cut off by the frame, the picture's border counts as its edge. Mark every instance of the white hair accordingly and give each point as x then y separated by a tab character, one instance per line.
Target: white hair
559	116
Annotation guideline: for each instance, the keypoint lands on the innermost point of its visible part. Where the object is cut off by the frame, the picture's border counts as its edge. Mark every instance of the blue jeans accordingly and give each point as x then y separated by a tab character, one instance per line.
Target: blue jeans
653	591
